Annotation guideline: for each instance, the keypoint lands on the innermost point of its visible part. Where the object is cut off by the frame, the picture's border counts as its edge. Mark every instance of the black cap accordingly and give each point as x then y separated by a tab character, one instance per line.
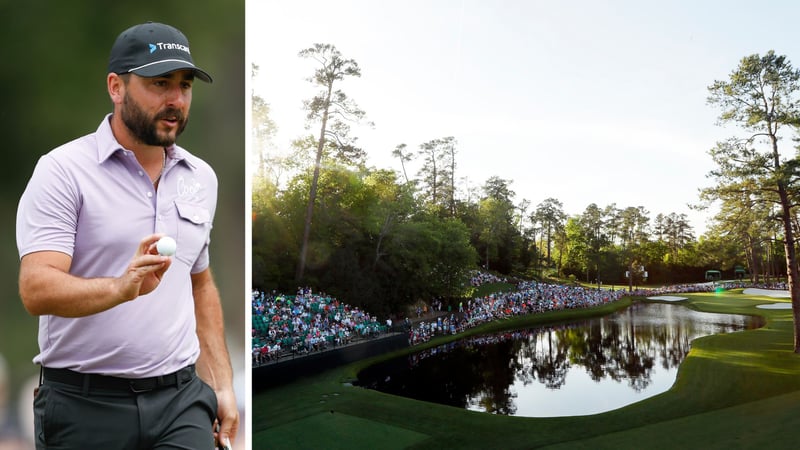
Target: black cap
152	49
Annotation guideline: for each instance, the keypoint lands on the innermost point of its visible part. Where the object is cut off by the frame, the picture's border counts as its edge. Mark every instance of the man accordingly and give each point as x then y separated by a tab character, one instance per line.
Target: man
124	332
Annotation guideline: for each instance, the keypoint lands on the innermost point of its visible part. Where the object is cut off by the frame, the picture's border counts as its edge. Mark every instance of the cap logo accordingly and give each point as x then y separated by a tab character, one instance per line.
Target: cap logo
168	46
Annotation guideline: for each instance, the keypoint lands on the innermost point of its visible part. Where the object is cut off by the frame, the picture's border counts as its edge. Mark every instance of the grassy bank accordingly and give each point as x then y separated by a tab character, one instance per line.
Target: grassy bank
738	390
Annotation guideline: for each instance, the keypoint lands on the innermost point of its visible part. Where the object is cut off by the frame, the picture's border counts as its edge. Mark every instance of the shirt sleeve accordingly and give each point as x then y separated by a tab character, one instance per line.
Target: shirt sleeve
48	210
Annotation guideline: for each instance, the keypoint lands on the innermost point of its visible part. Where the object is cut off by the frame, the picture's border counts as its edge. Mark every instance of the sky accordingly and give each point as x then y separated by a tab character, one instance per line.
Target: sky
583	101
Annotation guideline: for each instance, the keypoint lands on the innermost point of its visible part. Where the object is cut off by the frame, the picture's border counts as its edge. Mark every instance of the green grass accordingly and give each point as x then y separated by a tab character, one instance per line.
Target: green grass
349	431
738	390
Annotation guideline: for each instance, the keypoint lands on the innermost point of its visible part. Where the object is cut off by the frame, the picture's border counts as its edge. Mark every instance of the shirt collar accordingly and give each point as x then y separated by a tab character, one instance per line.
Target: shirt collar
107	145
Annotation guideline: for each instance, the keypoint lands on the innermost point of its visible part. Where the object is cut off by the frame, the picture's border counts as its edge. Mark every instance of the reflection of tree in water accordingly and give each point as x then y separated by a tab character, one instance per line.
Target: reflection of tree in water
460	375
635	361
584	344
623	348
606	349
674	344
494	394
480	371
541	358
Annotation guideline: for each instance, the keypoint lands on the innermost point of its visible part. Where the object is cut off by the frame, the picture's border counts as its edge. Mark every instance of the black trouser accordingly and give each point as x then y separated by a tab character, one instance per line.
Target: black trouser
74	411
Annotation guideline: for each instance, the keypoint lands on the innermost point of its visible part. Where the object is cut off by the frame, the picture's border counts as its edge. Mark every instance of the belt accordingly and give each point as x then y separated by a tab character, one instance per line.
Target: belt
93	381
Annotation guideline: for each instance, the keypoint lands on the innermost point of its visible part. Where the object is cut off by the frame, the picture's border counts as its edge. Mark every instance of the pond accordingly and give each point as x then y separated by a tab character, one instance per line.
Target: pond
580	368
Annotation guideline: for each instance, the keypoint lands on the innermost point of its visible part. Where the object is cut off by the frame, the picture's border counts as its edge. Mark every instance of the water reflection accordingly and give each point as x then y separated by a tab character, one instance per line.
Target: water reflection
571	369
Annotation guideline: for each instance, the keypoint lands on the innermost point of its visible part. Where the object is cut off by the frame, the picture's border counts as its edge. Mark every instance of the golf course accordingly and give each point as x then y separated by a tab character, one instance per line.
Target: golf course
737	390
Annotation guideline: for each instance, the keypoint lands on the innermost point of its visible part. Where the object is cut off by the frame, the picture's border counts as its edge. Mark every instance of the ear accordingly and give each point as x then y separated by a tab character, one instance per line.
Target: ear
116	88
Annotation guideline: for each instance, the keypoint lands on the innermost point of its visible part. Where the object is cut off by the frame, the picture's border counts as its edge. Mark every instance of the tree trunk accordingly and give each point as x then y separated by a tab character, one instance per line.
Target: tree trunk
384	231
549	261
791	261
630	276
452	180
788	245
753	259
312	194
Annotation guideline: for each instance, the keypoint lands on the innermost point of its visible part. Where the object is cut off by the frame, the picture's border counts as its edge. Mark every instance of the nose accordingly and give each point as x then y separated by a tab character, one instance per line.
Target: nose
176	96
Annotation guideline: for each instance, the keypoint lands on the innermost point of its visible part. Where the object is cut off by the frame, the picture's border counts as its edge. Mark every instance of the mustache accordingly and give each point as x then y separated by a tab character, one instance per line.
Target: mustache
171	112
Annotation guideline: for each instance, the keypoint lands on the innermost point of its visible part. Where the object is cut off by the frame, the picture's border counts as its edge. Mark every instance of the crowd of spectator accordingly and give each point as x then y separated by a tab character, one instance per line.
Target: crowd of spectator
705	287
780	286
479	278
533	297
306	322
530	297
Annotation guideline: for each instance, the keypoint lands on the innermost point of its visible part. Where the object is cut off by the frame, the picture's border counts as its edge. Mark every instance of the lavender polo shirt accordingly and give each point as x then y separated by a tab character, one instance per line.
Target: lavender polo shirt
92	200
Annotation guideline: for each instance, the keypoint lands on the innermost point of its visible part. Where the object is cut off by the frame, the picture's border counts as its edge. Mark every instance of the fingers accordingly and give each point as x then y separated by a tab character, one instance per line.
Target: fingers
228	421
147	246
147	259
145	270
147	264
159	273
223	441
226	434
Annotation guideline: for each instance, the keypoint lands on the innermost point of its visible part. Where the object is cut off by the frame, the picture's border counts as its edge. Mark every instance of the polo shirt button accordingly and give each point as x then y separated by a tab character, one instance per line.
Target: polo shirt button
141	174
149	195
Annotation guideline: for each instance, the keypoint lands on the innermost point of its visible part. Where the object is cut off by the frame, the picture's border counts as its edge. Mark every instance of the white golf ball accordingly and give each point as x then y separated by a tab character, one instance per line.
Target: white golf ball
166	246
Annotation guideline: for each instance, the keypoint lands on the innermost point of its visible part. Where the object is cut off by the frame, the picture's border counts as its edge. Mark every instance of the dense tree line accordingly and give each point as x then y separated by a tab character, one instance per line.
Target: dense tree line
385	238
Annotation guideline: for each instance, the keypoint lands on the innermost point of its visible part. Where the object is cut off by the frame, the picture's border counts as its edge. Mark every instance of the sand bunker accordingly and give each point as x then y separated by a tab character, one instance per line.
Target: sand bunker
667	298
767	292
770	293
775	306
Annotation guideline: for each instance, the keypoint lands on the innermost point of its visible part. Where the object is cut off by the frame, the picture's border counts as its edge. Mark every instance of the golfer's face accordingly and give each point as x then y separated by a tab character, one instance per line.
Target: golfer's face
156	109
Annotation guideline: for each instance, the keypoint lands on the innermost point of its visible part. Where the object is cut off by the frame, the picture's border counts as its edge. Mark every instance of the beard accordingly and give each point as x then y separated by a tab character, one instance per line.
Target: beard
145	128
